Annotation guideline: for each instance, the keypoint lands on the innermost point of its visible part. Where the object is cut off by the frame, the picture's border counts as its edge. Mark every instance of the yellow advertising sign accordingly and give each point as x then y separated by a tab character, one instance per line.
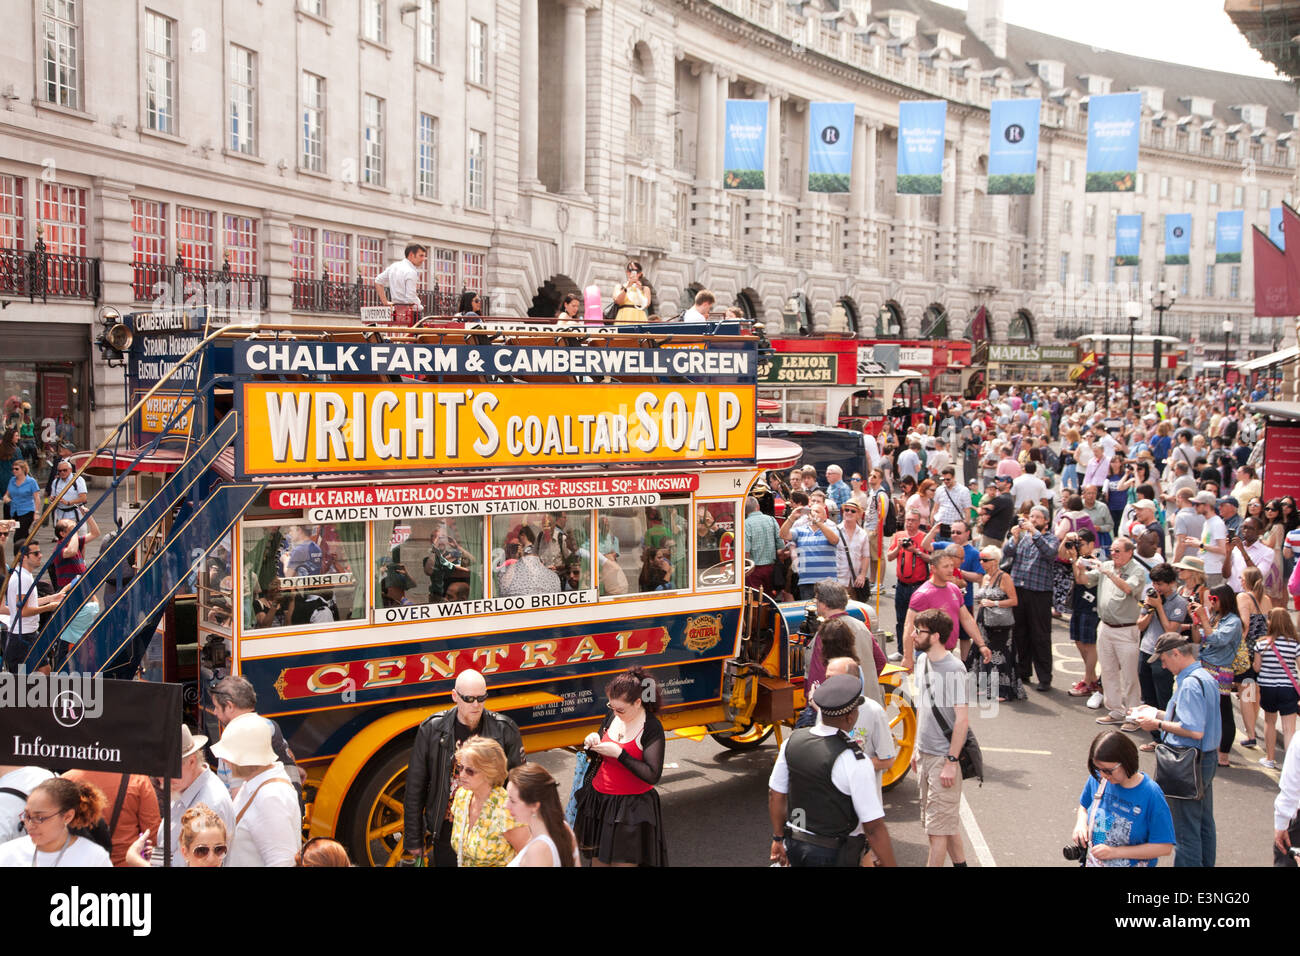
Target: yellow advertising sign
294	429
158	411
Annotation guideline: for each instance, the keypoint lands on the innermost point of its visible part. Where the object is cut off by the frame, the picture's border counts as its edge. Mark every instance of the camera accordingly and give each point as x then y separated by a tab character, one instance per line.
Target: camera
1073	852
1151	594
908	544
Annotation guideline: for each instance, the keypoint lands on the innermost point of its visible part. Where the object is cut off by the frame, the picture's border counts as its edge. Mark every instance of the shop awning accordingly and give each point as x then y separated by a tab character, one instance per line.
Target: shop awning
1280	357
1289	411
163	461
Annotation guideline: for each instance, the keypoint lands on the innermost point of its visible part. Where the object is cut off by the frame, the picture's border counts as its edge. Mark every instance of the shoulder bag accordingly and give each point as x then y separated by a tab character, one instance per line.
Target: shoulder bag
1178	769
971	758
1282	660
265	783
997	616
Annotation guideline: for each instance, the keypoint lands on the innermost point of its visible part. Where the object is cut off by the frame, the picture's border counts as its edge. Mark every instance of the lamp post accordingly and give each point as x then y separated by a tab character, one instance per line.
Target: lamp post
1227	344
1161	303
1134	312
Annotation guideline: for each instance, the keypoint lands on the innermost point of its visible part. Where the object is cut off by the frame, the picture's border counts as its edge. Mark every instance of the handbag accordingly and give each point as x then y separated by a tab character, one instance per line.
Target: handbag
1178	769
997	616
971	758
1241	661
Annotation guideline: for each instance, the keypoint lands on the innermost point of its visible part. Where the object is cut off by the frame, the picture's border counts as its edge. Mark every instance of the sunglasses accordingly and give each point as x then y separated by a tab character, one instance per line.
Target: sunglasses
201	851
987	560
849	508
467	771
1106	771
472	699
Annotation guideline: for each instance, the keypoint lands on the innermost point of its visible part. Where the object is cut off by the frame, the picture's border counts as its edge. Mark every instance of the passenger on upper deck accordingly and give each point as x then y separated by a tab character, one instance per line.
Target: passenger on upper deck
632	299
402	279
699	312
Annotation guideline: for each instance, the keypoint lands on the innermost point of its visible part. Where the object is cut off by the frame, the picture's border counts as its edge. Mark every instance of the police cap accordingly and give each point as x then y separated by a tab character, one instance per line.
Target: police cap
838	695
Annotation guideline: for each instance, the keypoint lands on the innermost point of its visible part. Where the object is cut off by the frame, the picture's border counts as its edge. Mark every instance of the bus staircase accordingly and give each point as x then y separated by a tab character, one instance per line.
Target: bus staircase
202	509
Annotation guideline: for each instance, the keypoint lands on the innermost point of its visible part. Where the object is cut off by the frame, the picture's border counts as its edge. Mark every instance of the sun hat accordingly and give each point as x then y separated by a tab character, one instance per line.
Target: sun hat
246	742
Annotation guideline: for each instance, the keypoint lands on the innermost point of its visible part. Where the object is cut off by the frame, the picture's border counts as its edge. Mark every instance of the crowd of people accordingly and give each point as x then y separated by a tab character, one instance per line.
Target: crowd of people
1141	520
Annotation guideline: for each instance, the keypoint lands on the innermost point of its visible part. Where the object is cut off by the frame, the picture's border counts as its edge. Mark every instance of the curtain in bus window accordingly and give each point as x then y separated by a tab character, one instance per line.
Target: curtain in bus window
433	560
541	552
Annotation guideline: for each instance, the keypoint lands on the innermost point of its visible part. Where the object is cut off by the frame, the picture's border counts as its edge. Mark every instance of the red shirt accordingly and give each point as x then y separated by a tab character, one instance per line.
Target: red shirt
613	777
912	566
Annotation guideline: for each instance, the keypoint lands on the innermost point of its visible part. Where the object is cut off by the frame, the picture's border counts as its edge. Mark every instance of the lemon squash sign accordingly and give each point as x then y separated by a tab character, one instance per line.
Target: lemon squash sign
316	429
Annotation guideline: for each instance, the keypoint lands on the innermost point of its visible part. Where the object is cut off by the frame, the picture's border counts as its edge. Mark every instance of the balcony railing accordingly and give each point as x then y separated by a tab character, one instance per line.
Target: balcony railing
221	288
332	297
44	275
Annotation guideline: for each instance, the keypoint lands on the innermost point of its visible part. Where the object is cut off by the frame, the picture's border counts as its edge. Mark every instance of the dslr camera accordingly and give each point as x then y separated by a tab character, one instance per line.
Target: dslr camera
1073	852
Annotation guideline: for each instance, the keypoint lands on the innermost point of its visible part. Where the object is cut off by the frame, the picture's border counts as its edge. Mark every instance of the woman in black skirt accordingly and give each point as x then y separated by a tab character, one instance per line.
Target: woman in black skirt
619	823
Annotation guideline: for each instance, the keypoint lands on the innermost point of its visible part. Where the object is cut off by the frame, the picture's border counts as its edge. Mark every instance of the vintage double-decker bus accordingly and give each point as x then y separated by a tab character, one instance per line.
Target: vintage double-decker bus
350	517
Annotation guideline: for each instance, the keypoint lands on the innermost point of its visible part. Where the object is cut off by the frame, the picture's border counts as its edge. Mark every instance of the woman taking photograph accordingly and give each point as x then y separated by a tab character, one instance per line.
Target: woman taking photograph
995	596
1220	630
483	832
1253	607
619	821
1122	818
1276	660
533	798
54	809
632	298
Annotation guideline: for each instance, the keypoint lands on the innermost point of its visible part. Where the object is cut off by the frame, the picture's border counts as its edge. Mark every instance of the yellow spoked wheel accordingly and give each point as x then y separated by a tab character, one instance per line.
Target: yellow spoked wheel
372	830
748	738
902	722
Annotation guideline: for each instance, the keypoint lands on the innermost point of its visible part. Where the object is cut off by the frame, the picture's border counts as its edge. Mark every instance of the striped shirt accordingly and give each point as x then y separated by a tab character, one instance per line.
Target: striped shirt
1271	673
816	554
761	534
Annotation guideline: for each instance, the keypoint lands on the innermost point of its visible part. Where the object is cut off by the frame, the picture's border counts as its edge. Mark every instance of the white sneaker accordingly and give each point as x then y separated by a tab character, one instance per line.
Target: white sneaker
1268	764
1096	700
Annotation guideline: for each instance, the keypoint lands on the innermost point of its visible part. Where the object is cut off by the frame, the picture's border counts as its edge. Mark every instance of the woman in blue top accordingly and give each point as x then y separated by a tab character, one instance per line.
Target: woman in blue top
23	496
1118	482
1122	818
1220	629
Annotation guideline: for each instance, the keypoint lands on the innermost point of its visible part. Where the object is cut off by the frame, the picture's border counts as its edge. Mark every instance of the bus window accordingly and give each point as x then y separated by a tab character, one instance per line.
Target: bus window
652	548
715	542
437	560
303	574
541	552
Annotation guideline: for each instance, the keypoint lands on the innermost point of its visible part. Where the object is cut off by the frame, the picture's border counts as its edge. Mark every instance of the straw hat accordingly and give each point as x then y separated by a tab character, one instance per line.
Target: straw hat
190	742
1191	564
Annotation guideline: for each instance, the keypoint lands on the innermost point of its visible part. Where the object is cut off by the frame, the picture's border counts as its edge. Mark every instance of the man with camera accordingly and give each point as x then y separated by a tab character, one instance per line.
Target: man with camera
1080	548
1119	585
1033	550
908	549
1163	611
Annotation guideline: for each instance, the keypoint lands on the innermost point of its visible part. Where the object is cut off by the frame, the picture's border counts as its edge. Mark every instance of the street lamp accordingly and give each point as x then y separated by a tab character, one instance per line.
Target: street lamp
1227	343
1134	312
1161	303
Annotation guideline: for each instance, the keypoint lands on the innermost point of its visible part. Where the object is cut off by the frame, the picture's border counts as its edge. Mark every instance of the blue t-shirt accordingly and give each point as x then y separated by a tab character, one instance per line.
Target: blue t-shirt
22	496
816	554
1128	816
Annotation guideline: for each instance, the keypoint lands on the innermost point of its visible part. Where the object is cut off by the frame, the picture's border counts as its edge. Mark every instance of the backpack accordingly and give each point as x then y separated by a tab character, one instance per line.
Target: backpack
890	525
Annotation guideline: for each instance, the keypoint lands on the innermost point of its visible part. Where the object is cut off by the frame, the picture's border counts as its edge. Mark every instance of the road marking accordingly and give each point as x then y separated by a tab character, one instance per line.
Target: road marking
977	841
1015	750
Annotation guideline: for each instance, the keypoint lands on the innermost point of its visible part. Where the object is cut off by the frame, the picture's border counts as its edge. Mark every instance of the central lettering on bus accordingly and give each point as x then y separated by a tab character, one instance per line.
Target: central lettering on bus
413	669
328	429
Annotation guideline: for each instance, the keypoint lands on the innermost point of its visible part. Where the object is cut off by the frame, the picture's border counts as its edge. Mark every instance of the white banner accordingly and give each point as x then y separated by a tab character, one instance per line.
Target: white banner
529	602
463	508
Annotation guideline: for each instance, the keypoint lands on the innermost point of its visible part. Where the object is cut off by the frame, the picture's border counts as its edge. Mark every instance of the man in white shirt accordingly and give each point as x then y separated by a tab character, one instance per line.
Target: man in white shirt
1213	544
402	280
1028	487
909	461
1286	806
699	312
937	459
872	448
75	495
268	822
1247	551
196	784
25	605
951	500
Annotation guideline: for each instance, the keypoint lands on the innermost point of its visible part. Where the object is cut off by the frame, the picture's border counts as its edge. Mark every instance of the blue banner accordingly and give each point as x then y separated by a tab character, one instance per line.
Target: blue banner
920	146
1275	228
1128	239
1013	146
1228	227
1113	129
745	145
830	147
1178	238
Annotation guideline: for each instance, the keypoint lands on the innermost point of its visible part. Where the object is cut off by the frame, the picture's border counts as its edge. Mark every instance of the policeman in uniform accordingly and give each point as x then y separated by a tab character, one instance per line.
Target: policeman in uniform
822	793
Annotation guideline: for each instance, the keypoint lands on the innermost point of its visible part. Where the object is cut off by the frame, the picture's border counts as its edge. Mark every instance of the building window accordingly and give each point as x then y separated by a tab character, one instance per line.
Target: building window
243	100
372	20
426	22
1141	185
478	41
241	243
1186	287
1065	268
444	274
475	185
1067	216
194	237
160	73
1263	199
148	231
1238	196
1089	260
1110	269
1189	189
61	78
1214	193
1209	281
370	257
304	252
472	271
1090	220
336	254
426	158
315	7
373	144
313	122
61	212
1164	187
1234	282
11	212
1067	172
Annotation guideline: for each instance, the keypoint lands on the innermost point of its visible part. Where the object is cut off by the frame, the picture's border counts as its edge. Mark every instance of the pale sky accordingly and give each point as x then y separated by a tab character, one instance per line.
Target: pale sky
1195	32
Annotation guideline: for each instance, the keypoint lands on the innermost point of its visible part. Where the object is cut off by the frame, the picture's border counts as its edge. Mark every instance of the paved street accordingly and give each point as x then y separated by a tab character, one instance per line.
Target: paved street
715	801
